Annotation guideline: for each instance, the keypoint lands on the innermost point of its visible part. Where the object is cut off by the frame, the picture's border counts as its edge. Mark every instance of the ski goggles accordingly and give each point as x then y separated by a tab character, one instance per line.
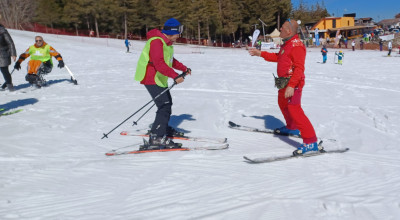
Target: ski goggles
174	28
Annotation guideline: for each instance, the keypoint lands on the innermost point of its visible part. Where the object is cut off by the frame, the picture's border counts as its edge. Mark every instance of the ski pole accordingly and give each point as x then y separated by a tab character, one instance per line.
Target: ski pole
5	84
135	122
167	89
72	75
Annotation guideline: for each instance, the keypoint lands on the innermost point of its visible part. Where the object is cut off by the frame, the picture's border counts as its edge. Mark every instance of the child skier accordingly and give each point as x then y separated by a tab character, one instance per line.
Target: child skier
340	56
324	52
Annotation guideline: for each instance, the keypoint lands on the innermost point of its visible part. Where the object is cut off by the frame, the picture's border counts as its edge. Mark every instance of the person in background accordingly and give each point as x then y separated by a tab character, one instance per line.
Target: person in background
258	46
127	44
361	44
340	56
389	48
40	63
353	44
290	69
324	52
380	44
156	64
7	51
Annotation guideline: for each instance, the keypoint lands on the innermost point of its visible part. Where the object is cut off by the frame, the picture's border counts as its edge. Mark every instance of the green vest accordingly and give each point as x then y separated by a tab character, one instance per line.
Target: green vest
160	79
41	53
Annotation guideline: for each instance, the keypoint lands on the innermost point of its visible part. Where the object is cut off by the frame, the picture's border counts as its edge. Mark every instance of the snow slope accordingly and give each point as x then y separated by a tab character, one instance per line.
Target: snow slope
52	156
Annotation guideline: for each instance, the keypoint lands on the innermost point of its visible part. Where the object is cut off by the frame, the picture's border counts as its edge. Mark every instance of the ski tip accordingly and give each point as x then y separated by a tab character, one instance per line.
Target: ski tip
247	159
232	124
123	133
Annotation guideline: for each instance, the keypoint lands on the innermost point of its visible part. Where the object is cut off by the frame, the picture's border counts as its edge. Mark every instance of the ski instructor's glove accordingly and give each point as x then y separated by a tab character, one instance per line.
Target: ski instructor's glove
61	64
17	66
189	71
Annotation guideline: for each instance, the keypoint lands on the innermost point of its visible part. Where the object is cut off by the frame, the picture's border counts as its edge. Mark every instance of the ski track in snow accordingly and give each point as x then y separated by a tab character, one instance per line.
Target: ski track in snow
53	164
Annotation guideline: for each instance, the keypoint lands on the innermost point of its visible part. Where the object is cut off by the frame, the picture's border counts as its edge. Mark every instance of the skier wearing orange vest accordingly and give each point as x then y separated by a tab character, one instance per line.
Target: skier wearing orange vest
41	62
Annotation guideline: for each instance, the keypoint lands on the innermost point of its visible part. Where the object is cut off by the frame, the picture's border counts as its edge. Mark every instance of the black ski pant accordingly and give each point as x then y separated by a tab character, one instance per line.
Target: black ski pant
6	74
164	105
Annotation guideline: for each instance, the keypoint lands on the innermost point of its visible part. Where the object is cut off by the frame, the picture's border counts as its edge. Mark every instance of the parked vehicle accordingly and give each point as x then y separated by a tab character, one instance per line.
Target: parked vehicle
379	31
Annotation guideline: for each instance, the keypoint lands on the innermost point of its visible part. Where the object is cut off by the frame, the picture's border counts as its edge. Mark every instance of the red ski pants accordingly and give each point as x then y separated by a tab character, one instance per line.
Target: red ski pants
294	115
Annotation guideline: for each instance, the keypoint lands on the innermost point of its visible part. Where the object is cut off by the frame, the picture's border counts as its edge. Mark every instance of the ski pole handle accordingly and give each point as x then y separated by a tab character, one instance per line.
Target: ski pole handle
183	75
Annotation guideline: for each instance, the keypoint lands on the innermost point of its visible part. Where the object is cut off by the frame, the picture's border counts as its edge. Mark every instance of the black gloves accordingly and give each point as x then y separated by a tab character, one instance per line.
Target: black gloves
17	66
61	64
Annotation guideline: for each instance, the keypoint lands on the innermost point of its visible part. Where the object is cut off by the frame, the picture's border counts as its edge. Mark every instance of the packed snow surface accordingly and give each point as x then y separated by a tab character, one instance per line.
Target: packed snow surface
53	163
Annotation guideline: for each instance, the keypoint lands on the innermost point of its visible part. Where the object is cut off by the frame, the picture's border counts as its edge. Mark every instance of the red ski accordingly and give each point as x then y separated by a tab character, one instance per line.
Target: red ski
145	151
186	138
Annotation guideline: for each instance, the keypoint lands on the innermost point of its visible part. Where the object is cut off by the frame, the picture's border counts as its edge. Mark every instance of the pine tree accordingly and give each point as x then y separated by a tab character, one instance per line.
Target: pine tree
48	12
166	9
203	13
129	14
230	17
310	14
73	14
283	11
147	18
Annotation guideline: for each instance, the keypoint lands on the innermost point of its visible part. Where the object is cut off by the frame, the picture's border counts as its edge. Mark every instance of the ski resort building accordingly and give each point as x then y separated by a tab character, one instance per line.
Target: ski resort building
346	25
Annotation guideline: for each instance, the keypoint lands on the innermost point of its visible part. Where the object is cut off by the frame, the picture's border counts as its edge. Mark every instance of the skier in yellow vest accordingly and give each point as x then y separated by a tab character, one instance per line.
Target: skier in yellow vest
40	63
156	64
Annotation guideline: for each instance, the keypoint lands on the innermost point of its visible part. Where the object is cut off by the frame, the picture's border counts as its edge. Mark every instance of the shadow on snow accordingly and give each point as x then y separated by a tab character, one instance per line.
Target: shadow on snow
19	103
48	83
271	122
176	120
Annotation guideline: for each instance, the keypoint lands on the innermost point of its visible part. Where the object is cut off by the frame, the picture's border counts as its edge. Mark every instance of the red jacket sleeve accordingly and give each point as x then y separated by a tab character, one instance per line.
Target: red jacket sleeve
271	57
178	65
157	58
298	57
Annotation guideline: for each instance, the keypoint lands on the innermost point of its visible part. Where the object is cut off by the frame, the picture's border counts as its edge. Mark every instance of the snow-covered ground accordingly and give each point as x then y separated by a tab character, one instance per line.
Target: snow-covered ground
52	162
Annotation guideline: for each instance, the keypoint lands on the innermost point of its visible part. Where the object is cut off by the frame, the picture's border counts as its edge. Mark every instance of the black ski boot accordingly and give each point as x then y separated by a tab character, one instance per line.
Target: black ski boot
172	132
157	143
36	80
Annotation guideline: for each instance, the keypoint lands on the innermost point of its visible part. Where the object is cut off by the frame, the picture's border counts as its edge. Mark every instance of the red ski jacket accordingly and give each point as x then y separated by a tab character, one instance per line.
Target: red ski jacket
290	58
156	62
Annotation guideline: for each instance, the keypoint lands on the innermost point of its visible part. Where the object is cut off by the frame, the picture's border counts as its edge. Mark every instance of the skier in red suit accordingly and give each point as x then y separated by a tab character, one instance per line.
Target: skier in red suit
290	59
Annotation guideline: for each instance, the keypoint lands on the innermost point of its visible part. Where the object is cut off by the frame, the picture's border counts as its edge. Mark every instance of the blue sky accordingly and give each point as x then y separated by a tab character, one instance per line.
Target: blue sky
376	9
